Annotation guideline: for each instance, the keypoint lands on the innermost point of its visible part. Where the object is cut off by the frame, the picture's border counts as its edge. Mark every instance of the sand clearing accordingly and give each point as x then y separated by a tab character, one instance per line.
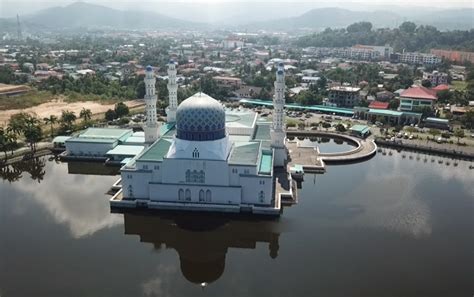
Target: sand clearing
56	107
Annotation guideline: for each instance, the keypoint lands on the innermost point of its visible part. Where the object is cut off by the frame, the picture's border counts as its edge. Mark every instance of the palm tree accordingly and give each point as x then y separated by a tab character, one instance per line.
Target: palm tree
67	118
85	114
51	121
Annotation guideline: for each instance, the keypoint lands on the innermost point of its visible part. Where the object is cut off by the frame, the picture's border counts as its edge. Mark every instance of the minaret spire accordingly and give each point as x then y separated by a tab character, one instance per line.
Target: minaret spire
151	127
277	132
172	93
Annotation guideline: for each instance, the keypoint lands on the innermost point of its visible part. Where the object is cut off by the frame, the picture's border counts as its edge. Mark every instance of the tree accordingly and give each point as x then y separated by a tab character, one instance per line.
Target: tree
67	119
51	121
85	114
459	133
110	115
33	134
434	132
340	128
393	104
408	27
121	109
426	83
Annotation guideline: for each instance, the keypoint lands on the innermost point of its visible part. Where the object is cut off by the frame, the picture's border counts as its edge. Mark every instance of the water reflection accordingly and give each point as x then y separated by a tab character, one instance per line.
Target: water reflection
14	172
202	241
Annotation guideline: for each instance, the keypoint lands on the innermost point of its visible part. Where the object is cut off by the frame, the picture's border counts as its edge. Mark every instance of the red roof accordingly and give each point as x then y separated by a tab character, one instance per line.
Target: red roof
378	105
419	93
440	88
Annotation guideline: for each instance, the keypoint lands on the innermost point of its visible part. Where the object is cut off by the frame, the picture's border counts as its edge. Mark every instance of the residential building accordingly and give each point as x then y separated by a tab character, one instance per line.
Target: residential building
416	98
342	96
436	78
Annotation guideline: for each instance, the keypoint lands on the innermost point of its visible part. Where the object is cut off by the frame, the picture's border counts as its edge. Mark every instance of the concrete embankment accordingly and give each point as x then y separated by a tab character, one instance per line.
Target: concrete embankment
426	149
363	148
42	149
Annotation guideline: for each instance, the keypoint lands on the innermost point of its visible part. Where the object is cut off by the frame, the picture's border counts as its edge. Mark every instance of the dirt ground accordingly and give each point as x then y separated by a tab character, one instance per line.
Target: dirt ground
57	106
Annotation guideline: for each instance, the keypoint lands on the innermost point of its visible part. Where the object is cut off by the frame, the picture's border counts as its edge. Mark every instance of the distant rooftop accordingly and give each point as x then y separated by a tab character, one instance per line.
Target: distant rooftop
106	133
419	93
126	150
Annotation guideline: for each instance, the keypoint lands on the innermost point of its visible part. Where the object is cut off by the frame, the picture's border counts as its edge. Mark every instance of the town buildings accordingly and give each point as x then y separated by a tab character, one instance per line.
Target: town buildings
436	78
416	98
342	96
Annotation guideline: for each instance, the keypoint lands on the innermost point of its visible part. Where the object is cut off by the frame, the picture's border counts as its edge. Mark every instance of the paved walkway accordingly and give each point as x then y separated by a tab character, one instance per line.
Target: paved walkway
310	156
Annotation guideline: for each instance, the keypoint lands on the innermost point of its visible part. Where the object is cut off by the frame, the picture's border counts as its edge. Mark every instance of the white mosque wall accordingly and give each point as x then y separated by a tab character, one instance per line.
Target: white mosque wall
256	189
214	171
135	184
89	148
195	194
235	172
240	130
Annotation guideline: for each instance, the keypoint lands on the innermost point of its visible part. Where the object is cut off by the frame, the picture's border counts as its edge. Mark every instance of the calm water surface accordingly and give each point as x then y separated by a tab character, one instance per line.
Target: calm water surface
391	226
327	145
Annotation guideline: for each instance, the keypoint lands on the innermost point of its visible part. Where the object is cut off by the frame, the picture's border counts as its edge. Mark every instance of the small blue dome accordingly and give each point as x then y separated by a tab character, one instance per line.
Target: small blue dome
200	118
281	64
171	61
149	68
280	72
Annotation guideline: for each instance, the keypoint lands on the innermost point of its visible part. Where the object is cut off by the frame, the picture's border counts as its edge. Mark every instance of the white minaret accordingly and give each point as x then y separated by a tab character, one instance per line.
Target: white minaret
277	132
151	127
172	93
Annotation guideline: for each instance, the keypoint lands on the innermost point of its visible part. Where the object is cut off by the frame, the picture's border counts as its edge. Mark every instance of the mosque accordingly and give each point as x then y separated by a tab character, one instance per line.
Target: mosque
206	157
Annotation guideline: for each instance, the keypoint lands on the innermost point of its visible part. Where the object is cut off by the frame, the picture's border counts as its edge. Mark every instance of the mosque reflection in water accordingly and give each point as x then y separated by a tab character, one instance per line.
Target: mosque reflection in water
202	241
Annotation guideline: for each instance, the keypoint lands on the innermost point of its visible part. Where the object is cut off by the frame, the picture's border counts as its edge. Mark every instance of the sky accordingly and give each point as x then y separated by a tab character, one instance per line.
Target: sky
214	8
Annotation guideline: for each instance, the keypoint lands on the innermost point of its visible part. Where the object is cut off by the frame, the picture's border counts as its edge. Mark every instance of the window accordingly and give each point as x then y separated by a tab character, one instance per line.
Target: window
262	182
195	176
246	171
196	153
130	191
208	196
261	196
181	195
145	167
157	167
201	196
188	195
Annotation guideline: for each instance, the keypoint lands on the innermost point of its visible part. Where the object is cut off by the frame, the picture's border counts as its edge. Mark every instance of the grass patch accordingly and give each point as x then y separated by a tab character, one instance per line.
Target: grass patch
459	85
32	98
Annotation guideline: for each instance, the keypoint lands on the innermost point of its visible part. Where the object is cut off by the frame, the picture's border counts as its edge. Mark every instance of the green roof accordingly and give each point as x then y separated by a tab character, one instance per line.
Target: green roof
262	132
245	153
346	111
360	128
385	112
110	133
60	139
92	140
126	150
239	118
156	151
166	128
437	120
265	163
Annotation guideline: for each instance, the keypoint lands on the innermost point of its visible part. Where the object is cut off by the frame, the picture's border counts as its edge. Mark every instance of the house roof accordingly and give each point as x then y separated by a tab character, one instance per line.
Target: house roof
378	105
442	87
419	93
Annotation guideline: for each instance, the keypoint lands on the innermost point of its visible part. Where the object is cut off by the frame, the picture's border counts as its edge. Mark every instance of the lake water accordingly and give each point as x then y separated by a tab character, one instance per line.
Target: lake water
390	226
327	145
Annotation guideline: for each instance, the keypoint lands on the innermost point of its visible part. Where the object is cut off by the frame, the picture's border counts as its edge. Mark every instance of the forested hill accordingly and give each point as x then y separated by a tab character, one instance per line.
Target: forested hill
408	36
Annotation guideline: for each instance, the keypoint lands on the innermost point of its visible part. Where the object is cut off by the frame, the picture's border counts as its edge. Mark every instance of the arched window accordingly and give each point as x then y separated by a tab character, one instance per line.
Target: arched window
130	191
208	196
188	195
202	177
261	196
201	196
194	176
181	195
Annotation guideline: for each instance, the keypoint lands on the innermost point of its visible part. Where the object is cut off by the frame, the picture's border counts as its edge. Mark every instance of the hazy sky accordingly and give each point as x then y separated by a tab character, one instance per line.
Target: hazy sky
10	8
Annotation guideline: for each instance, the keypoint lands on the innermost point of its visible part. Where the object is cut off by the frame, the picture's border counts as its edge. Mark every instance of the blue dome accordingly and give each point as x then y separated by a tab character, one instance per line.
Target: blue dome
280	72
281	64
149	68
171	61
200	118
